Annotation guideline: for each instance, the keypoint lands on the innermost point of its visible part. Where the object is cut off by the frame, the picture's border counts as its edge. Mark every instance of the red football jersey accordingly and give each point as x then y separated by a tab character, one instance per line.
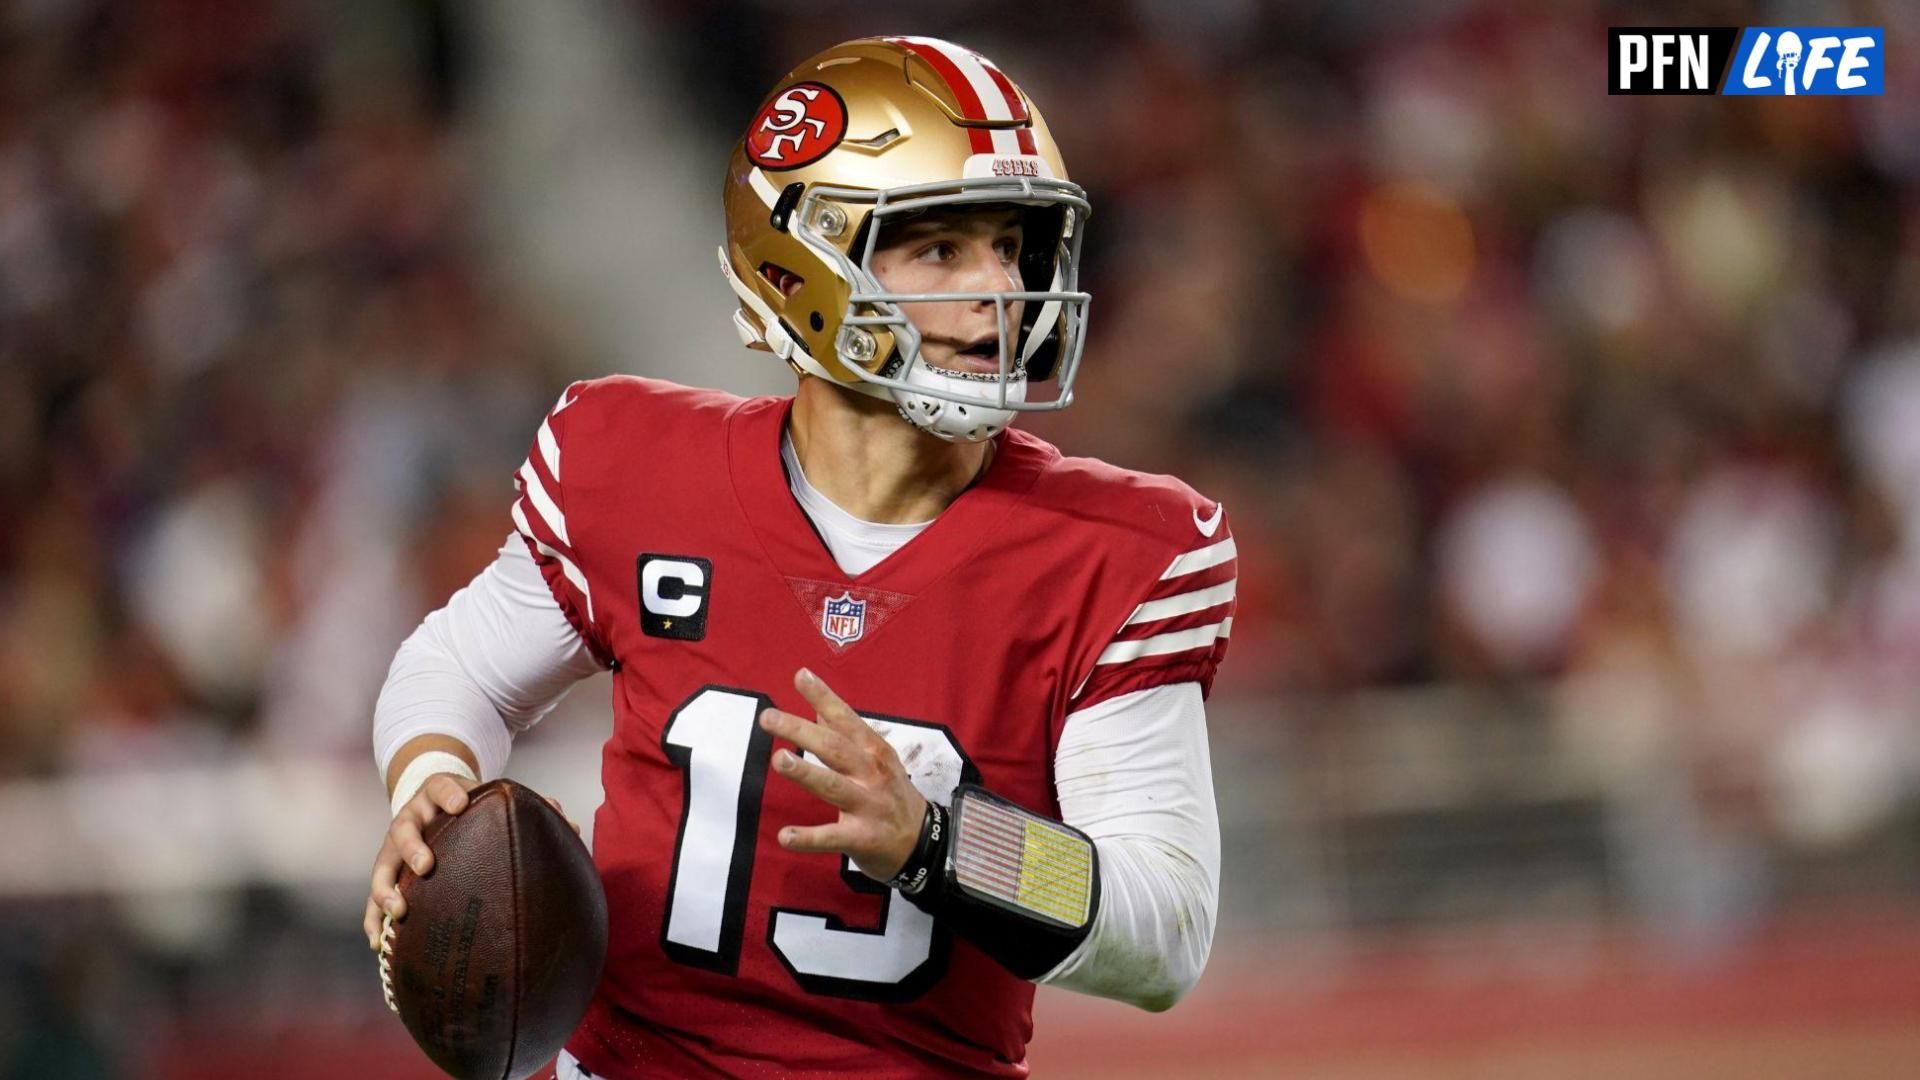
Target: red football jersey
662	519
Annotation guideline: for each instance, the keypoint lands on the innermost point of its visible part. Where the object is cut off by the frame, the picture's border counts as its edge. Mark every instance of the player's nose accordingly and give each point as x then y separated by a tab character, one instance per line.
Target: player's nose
982	270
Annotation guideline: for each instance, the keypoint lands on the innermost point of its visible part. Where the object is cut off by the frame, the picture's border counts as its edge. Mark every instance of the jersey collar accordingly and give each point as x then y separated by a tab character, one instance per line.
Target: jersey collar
790	544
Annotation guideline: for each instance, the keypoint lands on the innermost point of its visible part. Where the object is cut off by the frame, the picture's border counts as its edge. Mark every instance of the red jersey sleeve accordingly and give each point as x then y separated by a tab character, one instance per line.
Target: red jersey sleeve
1178	628
540	517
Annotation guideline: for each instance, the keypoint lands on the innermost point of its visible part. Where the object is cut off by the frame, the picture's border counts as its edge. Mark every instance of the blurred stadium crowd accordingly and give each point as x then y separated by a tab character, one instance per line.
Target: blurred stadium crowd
258	385
1607	407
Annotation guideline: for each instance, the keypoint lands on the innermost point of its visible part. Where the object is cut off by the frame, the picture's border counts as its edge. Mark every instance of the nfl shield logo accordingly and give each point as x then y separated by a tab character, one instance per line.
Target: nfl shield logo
843	619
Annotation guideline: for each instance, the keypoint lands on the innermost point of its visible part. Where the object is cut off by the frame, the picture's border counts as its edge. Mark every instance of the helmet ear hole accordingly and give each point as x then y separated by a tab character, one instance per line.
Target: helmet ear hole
782	279
814	320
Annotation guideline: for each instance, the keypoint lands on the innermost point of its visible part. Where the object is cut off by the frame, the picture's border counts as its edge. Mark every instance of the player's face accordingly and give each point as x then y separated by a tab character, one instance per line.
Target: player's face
975	251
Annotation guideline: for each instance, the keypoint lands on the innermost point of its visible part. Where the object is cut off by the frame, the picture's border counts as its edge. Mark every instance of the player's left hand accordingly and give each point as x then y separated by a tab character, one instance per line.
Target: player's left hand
880	810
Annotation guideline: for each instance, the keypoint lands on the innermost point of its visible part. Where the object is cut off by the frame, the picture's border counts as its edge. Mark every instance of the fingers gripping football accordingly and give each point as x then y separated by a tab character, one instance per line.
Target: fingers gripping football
442	793
857	773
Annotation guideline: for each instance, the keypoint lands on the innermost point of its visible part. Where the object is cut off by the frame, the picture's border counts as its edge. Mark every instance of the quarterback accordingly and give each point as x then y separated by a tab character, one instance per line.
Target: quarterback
907	706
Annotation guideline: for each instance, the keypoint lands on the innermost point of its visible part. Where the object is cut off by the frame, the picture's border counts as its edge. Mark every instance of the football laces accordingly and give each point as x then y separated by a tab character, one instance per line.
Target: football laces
386	962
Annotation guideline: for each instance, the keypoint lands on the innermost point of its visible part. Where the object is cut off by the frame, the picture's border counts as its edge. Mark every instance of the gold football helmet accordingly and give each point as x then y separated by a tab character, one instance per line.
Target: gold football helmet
878	130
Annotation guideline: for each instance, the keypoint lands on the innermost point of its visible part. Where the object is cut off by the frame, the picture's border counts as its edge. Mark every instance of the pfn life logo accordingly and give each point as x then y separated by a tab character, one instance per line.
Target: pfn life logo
1784	60
1795	60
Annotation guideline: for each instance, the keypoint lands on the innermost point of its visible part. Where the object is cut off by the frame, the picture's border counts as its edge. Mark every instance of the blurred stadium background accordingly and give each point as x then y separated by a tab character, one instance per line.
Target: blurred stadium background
1572	724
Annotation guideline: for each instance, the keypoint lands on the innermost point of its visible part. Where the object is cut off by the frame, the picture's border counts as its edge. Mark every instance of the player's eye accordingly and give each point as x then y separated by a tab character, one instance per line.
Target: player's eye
938	251
1008	248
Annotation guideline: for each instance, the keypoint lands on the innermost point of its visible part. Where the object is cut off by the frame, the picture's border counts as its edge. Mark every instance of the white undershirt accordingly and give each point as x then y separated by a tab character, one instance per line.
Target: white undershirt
856	546
1132	772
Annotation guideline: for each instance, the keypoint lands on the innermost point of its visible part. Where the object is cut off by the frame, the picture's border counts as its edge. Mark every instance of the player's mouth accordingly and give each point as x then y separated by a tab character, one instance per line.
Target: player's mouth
980	356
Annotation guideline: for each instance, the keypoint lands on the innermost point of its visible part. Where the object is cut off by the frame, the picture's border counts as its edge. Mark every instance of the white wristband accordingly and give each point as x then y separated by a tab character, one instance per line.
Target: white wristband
423	766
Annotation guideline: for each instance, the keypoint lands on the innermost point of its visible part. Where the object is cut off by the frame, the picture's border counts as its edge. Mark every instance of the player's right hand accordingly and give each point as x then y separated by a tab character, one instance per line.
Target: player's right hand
443	793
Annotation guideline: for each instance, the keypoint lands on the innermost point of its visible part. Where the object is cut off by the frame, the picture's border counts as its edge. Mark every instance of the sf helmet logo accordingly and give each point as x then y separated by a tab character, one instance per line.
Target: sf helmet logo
797	127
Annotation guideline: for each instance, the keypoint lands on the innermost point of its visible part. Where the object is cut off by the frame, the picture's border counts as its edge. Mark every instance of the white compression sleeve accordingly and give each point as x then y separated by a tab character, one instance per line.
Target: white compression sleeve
487	666
1132	772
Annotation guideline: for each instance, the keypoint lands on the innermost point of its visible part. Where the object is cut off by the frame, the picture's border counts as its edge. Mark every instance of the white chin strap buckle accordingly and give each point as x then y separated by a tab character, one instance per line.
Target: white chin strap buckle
744	327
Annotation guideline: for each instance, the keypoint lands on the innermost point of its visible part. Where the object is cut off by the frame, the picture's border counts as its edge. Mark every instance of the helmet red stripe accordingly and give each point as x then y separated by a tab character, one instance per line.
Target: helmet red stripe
1014	105
963	93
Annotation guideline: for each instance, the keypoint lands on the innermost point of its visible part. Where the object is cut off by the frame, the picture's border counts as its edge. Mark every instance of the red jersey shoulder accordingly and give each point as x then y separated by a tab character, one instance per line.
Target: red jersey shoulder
1154	509
580	467
1159	568
619	412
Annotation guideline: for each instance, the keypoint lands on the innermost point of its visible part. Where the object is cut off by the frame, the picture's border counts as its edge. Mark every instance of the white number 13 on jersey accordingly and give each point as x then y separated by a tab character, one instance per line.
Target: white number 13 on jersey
716	741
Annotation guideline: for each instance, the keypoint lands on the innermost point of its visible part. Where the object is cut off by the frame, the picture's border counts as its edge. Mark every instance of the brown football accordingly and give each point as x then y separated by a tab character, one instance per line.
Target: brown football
503	940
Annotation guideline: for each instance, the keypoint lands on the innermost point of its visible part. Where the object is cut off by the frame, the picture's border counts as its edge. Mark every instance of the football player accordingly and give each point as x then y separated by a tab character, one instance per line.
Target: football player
907	705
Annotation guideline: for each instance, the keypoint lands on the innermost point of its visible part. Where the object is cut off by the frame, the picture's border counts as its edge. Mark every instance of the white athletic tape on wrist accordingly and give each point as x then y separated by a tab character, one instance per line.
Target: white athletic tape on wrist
417	771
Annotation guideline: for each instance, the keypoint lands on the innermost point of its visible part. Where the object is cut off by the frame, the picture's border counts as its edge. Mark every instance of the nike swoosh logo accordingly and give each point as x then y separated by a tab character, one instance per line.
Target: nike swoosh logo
1209	525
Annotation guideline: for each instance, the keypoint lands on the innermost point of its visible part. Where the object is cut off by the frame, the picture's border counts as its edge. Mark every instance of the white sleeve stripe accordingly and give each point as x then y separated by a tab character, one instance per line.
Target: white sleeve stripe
1200	559
566	565
1183	604
549	449
1161	644
1226	630
543	503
